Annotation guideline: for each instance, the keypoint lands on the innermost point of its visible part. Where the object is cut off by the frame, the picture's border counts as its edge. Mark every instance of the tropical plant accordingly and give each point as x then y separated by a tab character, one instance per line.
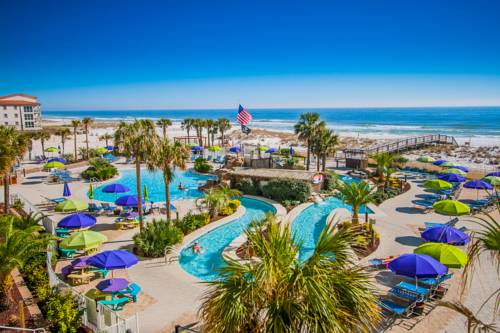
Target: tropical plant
166	157
325	143
385	162
190	222
164	123
306	128
100	169
137	139
247	186
201	165
75	123
217	198
224	125
64	133
287	190
13	145
356	195
326	292
44	135
198	125
187	124
87	122
30	136
156	237
61	311
106	137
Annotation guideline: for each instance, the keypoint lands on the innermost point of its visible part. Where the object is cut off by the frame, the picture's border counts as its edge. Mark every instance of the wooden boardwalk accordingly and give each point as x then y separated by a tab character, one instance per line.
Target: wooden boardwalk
401	145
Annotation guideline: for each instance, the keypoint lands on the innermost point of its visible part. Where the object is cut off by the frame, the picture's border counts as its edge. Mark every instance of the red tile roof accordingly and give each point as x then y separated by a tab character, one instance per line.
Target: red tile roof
15	103
18	94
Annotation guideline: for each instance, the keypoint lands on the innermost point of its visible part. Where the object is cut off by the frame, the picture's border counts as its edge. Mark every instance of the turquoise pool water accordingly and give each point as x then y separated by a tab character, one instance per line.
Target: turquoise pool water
156	188
349	179
308	225
204	266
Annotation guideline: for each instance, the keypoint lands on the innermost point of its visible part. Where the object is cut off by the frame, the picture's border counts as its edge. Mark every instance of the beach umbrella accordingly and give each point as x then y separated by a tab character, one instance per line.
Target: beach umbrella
439	162
83	240
235	149
146	194
426	159
53	165
56	159
452	178
173	208
492	180
90	194
450	164
417	266
112	285
127	201
101	151
445	234
113	259
214	148
115	188
52	150
66	191
494	174
77	221
71	205
272	151
80	262
461	167
109	148
452	170
449	255
263	148
197	148
478	184
437	184
451	207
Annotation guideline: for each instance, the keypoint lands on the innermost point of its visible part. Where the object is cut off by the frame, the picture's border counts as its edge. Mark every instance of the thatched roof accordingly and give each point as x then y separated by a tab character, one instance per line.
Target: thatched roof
274	173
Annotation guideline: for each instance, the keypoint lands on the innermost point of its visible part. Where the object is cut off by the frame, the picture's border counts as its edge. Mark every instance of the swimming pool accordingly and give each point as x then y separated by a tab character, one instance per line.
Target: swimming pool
350	179
308	225
156	188
204	266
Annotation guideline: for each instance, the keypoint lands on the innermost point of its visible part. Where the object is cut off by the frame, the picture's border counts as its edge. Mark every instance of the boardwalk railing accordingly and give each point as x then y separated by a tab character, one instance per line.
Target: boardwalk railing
401	145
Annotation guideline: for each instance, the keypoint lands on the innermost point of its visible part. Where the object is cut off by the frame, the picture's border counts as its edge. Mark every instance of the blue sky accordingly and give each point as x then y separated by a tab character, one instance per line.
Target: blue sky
187	54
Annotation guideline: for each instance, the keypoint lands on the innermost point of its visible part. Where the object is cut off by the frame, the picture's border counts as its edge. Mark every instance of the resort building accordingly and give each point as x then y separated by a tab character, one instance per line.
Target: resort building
20	110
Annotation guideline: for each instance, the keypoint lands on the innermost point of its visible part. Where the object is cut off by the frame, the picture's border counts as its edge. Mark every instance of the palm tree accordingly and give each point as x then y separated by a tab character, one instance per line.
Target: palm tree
324	143
44	135
75	123
306	128
224	125
30	136
210	125
164	123
216	198
198	125
384	162
87	121
167	157
64	134
13	145
356	195
137	139
187	124
279	293
106	137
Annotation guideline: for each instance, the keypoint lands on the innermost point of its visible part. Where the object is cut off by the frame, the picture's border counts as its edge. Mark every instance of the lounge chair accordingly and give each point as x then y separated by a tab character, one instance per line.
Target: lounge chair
54	200
132	291
108	208
395	308
427	205
67	253
62	233
102	271
433	282
94	208
450	223
115	304
404	294
380	263
413	288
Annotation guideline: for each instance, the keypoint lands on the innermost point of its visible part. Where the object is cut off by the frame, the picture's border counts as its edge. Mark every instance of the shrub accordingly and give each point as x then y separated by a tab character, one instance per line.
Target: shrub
330	181
191	222
202	165
247	186
61	311
70	158
287	189
18	204
153	240
101	169
234	204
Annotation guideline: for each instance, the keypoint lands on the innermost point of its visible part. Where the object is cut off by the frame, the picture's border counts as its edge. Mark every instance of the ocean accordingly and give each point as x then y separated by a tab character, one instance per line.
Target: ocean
479	124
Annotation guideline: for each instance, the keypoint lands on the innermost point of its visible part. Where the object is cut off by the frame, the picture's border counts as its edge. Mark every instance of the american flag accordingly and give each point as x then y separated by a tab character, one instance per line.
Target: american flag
243	117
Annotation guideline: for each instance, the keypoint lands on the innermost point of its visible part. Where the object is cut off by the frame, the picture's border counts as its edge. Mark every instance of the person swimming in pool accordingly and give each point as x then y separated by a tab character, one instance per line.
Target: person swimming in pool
196	248
181	187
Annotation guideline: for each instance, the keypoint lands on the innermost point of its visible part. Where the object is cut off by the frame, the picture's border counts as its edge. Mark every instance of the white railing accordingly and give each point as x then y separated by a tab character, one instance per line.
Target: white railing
21	329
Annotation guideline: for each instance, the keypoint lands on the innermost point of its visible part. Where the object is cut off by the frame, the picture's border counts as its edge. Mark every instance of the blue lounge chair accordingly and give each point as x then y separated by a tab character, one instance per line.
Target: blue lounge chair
55	200
450	223
115	304
102	271
132	291
93	208
62	233
209	157
107	207
401	293
395	308
412	288
67	253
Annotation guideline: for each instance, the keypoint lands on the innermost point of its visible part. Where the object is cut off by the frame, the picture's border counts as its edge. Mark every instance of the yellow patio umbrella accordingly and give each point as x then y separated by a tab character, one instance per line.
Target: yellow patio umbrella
71	206
451	207
83	240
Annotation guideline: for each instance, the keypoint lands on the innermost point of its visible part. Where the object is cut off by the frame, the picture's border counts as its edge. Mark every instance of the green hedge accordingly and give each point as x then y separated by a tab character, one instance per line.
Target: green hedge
191	222
202	165
287	189
100	169
152	241
247	186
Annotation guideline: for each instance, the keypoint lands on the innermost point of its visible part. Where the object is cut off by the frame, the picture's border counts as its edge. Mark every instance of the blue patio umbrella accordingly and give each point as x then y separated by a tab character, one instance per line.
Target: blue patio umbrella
57	159
77	221
196	148
235	149
417	266
452	178
127	201
109	147
272	150
173	208
115	188
478	184
494	174
66	191
291	151
460	167
114	259
445	234
439	162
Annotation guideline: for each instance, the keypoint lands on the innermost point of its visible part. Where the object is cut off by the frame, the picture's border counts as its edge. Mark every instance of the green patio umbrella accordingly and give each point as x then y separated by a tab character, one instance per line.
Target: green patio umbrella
52	150
83	240
91	192
437	184
214	148
101	151
451	207
71	206
53	165
426	159
449	255
146	194
492	180
452	170
263	148
450	164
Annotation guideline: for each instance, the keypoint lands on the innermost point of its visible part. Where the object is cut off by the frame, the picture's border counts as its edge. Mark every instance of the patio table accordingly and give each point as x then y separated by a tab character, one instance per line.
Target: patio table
112	286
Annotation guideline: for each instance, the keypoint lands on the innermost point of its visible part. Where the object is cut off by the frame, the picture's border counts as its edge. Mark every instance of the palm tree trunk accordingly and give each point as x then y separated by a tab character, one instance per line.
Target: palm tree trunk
188	131
164	132
222	138
42	141
106	140
355	215
29	153
87	140
318	161
308	160
6	192
76	152
323	168
167	197
139	194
